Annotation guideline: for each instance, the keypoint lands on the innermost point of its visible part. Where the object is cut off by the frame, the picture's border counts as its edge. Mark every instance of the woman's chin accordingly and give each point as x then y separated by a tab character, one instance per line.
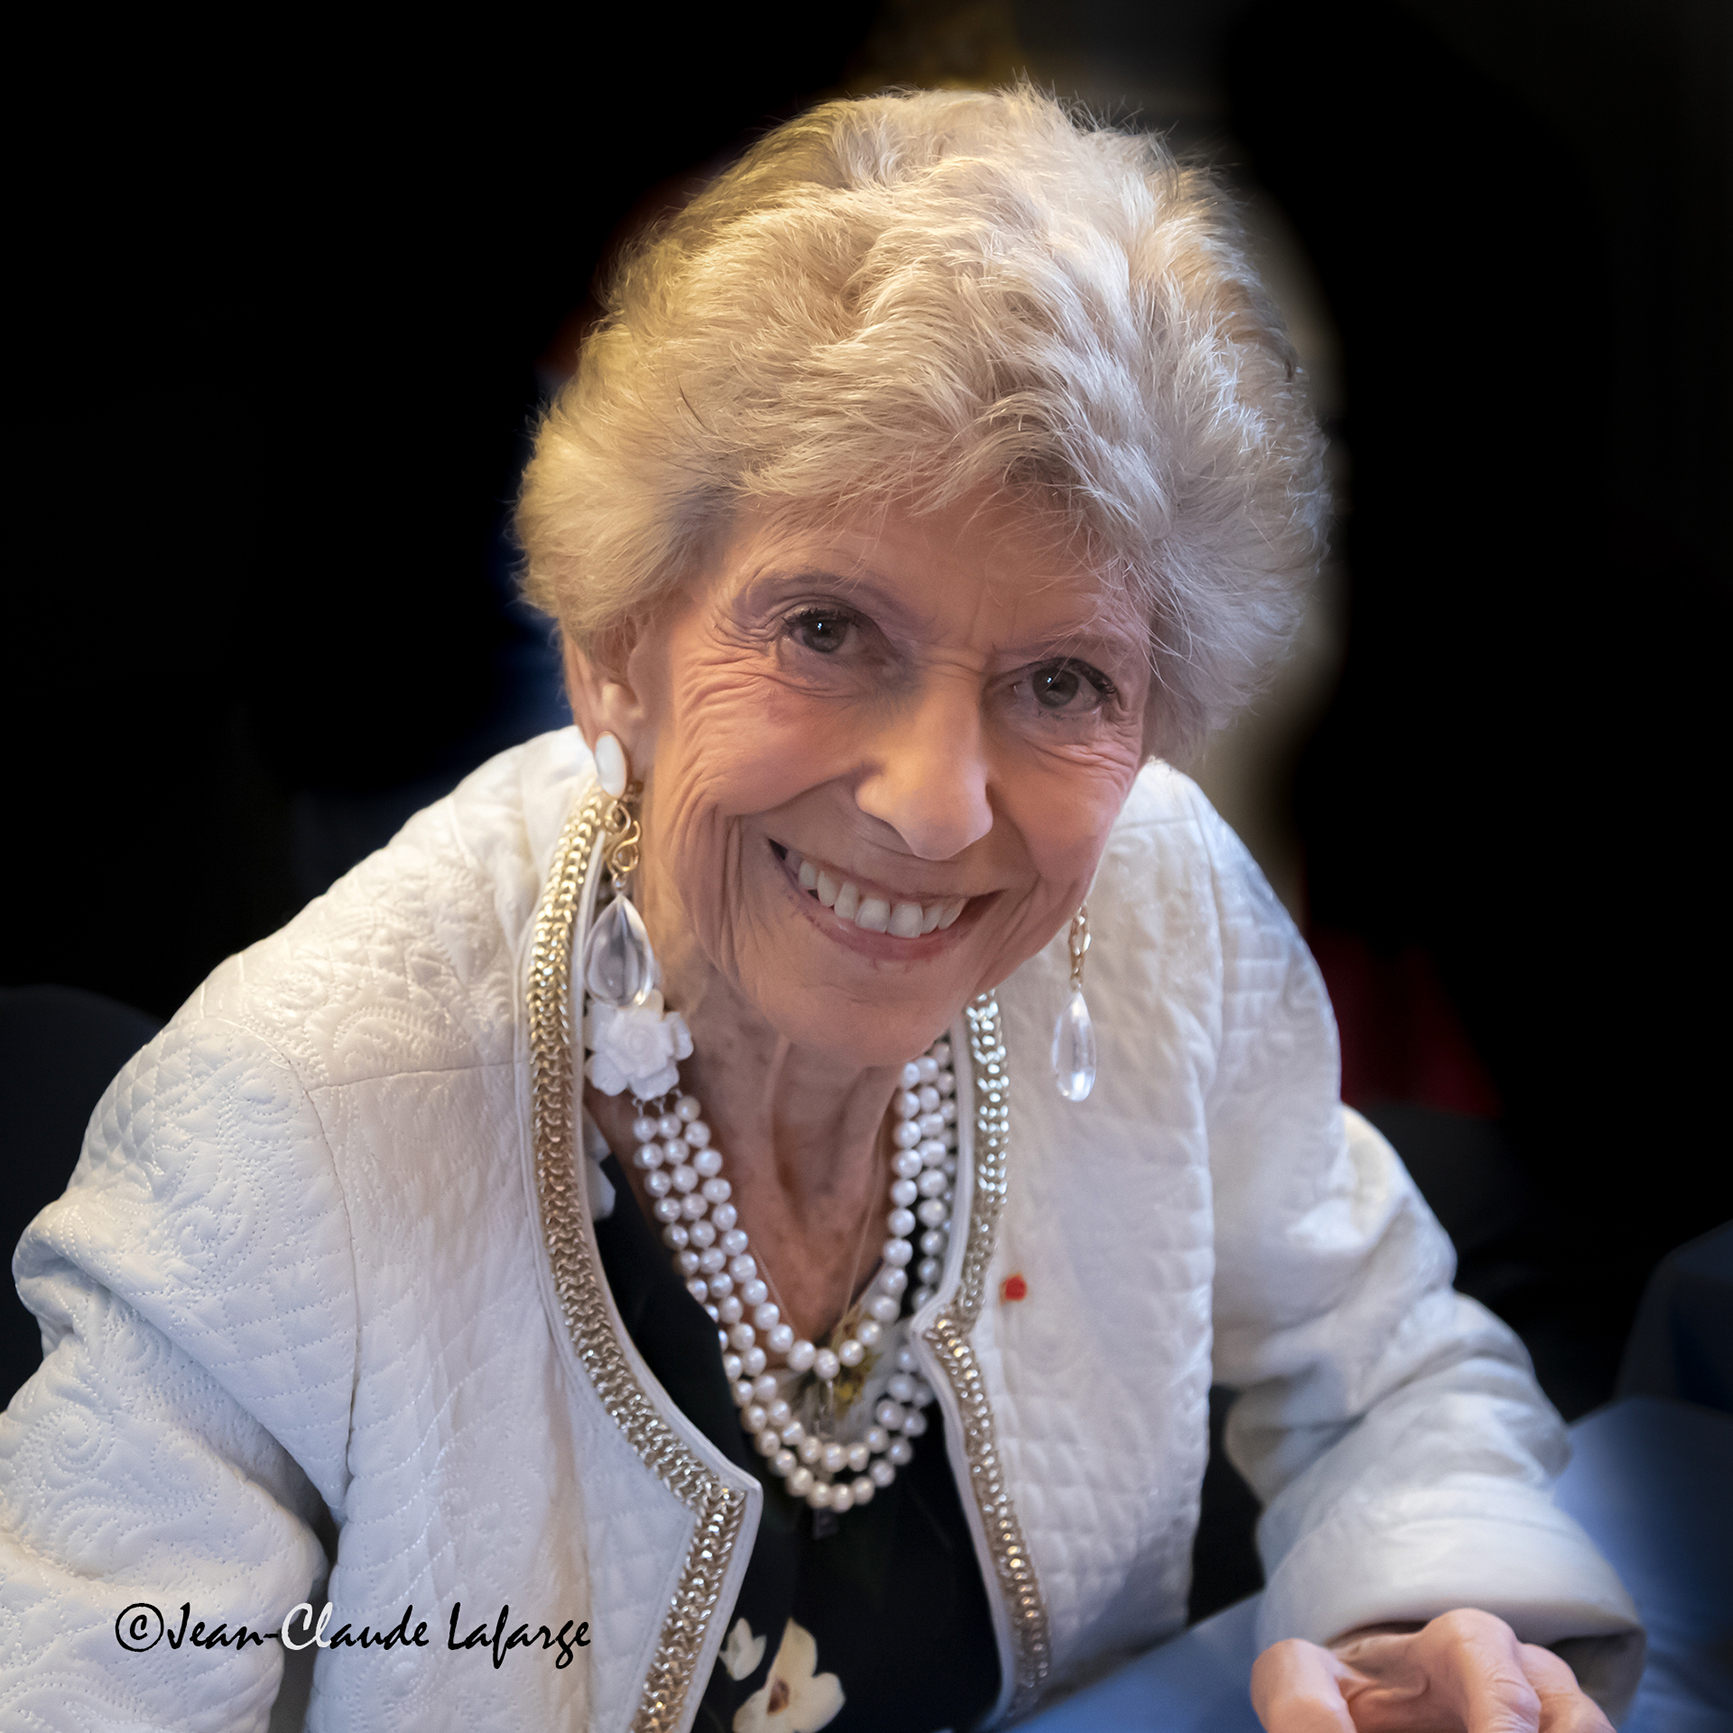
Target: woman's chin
858	1033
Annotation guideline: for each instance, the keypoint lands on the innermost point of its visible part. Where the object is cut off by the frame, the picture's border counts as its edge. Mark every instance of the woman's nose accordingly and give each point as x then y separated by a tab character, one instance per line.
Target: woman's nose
928	775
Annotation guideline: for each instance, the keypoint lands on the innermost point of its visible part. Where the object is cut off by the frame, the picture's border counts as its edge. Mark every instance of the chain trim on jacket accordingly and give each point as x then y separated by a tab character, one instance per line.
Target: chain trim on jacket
948	1337
719	1508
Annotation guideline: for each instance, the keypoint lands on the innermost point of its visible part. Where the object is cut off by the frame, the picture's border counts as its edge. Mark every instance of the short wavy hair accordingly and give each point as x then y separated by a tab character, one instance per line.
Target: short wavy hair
907	296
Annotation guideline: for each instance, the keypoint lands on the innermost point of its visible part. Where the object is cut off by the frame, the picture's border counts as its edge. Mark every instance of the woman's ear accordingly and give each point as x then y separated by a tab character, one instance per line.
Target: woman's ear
604	695
601	696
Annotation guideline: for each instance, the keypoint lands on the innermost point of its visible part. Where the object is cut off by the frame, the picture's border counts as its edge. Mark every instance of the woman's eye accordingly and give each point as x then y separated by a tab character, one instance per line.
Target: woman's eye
1069	688
820	631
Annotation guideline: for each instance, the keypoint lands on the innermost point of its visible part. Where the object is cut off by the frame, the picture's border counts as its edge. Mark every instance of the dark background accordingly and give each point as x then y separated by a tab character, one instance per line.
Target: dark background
285	323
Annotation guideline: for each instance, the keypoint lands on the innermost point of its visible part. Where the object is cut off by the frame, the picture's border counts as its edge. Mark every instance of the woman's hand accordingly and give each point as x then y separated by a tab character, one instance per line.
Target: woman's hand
1465	1672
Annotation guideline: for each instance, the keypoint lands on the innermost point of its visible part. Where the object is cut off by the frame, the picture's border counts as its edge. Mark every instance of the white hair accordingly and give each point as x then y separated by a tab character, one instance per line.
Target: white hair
911	295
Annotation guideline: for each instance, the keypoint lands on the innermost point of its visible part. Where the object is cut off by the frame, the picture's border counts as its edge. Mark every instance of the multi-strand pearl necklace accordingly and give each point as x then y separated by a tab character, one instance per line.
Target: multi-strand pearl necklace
683	1174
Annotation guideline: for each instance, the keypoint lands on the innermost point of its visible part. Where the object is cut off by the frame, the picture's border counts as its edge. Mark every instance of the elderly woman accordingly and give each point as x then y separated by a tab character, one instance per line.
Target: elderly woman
737	1231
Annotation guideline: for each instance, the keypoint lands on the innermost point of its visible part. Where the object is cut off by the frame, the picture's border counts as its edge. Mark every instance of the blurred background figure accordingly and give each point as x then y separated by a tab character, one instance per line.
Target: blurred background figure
1483	784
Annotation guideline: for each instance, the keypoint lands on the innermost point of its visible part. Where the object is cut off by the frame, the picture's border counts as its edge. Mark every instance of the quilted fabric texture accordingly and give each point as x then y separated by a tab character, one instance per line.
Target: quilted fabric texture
1212	1213
299	1274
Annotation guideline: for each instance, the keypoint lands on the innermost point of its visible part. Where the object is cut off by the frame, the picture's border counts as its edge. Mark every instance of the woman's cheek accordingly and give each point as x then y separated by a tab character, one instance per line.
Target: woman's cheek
784	756
711	756
1067	808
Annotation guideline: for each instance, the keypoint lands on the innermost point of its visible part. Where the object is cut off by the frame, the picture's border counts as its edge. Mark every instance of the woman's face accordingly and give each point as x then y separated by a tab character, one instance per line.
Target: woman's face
882	756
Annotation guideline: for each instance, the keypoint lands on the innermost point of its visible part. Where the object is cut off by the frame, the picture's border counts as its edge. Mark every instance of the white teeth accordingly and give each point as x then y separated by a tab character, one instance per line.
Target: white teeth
873	915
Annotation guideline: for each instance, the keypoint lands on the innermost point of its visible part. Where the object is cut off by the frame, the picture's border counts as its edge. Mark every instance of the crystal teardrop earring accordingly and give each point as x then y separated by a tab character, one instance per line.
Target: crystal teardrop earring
1074	1032
619	969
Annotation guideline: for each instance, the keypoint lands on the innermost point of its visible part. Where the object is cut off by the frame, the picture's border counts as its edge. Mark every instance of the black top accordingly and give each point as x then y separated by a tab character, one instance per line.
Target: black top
889	1592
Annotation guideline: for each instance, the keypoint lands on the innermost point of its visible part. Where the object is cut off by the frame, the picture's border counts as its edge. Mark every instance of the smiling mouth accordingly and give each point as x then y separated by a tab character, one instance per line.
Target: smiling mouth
870	911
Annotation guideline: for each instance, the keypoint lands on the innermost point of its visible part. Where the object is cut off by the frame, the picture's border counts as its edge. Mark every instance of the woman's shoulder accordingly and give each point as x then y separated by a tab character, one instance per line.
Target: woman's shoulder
1179	894
1169	833
1163	797
410	960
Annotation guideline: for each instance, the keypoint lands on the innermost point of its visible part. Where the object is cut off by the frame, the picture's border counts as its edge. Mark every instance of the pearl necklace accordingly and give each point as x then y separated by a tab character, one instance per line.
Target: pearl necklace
683	1173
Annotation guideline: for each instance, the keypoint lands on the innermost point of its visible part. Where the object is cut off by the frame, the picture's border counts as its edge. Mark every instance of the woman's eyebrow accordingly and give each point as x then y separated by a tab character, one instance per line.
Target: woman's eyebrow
856	587
1092	644
771	583
1096	641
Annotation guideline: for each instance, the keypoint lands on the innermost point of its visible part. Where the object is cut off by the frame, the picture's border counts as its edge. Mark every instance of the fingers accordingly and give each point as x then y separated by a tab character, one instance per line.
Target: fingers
1475	1664
1465	1672
1563	1706
1297	1688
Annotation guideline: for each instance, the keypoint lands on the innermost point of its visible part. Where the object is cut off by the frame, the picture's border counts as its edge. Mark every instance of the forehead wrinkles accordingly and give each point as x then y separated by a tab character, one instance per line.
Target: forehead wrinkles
857	526
1060	606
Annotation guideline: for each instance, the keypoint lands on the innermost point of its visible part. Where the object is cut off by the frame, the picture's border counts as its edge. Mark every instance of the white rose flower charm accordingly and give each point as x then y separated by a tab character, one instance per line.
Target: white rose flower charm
635	1047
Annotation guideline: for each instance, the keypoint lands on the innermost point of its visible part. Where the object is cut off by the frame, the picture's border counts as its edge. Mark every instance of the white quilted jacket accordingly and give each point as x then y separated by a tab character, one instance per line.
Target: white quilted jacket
309	1263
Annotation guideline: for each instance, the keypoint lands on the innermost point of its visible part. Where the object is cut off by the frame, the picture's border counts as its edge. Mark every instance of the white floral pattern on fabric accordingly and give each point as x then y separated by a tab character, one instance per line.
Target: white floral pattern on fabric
635	1047
742	1652
792	1700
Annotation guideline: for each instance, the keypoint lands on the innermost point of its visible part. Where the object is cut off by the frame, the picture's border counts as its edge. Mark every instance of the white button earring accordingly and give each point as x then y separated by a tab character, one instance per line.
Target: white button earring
1074	1032
611	765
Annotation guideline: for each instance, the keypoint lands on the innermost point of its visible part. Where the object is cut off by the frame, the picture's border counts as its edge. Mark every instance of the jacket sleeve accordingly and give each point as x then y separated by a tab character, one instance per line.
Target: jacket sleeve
195	1288
1392	1427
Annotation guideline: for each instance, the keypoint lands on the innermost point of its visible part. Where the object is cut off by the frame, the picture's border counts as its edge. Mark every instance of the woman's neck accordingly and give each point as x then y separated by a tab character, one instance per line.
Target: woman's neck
801	1138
